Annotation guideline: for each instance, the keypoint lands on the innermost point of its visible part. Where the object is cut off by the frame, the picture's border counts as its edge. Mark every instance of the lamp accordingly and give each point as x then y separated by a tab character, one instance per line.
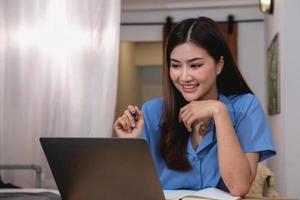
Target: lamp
266	6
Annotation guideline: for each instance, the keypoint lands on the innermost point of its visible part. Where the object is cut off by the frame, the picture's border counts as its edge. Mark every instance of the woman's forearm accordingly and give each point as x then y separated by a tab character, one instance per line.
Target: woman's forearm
233	163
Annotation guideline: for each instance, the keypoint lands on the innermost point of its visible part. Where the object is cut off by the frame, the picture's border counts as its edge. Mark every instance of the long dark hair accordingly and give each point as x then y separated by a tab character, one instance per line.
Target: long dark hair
206	34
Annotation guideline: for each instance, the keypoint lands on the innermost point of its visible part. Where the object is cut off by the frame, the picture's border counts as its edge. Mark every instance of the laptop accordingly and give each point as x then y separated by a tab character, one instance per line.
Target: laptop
102	168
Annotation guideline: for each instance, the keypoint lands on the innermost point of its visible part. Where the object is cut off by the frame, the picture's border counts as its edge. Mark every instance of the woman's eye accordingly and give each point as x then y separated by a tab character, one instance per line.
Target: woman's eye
196	65
175	65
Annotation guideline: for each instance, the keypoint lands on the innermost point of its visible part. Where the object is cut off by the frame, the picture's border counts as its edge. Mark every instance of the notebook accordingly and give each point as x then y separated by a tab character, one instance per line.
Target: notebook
206	194
102	168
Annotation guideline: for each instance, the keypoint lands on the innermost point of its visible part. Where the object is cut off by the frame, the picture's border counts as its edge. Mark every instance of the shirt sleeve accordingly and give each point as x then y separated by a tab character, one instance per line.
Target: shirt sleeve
252	128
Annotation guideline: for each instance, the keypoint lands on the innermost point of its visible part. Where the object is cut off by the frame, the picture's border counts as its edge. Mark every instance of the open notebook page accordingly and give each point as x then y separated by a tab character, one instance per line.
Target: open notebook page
210	193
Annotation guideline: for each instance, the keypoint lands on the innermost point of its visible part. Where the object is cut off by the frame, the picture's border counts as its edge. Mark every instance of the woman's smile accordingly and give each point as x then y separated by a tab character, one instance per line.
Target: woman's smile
189	88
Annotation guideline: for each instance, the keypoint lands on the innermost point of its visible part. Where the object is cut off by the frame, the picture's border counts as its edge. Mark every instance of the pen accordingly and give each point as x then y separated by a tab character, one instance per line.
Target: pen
133	114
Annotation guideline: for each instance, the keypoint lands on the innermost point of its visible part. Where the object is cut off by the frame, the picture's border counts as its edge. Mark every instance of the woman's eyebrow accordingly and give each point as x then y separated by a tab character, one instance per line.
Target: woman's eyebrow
194	59
174	60
190	60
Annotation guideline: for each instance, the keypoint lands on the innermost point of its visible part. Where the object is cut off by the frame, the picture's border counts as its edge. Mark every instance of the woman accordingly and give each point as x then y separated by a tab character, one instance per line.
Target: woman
208	130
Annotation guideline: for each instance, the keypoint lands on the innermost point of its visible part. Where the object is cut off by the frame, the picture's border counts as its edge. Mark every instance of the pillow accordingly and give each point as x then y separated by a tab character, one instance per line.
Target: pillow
263	184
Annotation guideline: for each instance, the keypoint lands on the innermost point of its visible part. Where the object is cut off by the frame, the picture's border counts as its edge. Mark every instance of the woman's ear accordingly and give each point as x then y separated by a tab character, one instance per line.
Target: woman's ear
220	65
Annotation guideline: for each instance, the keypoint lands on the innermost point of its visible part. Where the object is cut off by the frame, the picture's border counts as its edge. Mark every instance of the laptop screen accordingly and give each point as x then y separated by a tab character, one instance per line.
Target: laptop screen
102	168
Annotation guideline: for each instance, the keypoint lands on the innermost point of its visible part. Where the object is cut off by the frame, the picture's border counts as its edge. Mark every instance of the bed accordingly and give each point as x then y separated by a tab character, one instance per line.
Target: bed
10	192
29	194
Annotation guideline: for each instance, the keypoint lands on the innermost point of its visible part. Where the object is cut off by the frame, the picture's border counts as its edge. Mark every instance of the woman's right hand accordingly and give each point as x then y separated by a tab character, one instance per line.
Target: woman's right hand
127	126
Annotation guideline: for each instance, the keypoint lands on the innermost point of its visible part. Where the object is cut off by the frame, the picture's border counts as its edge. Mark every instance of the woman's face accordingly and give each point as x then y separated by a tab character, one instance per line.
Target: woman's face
193	72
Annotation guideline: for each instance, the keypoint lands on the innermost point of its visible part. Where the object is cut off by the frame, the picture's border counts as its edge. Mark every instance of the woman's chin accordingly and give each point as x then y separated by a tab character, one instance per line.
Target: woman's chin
190	97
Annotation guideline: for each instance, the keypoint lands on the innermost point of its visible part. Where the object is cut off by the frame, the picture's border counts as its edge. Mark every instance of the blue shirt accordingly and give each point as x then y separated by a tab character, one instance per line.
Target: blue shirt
250	125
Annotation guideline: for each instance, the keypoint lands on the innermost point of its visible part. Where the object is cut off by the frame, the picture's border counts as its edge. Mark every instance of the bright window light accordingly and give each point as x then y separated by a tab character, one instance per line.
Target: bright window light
54	35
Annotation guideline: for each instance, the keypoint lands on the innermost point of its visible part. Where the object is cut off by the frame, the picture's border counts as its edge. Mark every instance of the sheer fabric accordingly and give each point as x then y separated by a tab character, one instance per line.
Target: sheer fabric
58	76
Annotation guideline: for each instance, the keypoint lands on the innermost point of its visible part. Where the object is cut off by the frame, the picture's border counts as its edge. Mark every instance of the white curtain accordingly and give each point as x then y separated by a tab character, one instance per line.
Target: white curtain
58	76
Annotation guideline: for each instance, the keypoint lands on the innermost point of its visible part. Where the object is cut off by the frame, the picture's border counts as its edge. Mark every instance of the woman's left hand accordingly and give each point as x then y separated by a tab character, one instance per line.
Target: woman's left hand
197	111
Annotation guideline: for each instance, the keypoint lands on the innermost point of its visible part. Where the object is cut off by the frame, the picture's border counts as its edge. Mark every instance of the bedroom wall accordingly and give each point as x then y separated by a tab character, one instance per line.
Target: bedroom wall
140	73
149	59
127	77
285	128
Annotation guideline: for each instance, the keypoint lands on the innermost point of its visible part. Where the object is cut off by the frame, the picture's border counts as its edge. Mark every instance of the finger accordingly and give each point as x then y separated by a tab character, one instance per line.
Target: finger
140	116
125	118
187	113
180	113
188	123
186	116
139	113
131	108
120	128
183	110
124	124
119	124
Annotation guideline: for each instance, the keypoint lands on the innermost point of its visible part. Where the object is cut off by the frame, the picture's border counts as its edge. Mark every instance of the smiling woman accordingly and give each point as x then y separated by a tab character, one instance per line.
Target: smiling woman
202	87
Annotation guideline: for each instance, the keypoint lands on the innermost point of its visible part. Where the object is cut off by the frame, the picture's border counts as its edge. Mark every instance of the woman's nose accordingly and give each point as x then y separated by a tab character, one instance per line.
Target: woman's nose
185	75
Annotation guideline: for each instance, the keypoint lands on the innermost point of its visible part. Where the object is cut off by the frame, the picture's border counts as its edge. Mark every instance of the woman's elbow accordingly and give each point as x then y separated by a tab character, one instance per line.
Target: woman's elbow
239	190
